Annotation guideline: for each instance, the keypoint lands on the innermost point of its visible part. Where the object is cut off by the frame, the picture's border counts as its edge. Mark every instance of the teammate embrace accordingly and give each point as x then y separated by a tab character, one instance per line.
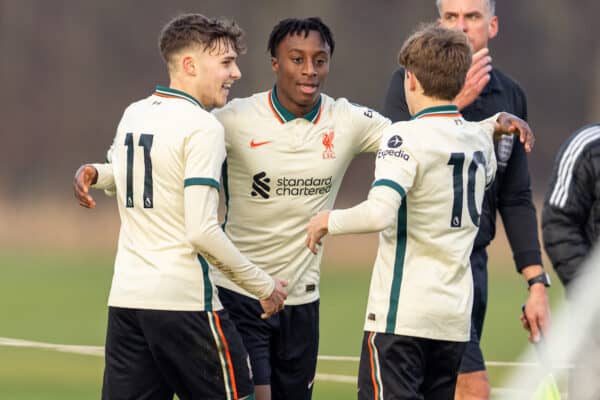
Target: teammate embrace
167	330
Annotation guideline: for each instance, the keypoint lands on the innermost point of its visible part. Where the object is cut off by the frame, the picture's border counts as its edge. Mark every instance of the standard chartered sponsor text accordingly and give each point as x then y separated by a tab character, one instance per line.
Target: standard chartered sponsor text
303	186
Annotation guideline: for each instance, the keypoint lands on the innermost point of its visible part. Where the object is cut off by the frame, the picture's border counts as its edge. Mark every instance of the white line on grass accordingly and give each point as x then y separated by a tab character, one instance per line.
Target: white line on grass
99	351
65	348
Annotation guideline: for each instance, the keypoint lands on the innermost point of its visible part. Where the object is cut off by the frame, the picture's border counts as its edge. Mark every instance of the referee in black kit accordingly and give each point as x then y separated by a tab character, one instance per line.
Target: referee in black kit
486	92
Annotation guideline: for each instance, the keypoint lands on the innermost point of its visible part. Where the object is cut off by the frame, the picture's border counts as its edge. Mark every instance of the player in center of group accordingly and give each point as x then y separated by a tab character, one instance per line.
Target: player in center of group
430	177
287	151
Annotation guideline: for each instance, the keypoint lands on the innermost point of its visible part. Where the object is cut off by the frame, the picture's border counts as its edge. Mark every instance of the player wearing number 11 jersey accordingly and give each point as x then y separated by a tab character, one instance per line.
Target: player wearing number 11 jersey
167	331
430	177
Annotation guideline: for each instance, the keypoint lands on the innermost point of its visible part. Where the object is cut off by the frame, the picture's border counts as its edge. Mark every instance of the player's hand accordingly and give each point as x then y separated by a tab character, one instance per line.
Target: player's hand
478	76
85	177
536	314
510	123
316	229
275	302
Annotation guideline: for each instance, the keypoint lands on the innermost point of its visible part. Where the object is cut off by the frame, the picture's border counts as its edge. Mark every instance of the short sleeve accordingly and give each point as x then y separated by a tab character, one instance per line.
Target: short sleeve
204	154
490	168
487	126
395	164
368	126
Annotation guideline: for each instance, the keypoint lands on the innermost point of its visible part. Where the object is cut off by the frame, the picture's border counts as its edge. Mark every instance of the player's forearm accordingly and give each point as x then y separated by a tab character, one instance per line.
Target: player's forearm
207	237
372	215
520	224
222	254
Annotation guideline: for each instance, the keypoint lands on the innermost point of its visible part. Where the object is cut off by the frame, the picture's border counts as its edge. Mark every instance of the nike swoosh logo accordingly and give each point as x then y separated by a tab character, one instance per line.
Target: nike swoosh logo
254	144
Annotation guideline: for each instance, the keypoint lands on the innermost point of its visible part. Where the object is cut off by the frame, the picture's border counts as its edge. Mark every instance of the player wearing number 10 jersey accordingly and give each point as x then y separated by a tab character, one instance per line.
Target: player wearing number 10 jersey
430	177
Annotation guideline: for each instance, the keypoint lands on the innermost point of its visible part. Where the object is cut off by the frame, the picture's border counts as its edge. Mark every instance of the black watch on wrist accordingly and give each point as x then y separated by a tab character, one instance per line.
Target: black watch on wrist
541	278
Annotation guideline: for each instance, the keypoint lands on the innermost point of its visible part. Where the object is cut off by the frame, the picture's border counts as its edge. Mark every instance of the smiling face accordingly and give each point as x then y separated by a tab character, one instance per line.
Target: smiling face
301	65
473	17
215	69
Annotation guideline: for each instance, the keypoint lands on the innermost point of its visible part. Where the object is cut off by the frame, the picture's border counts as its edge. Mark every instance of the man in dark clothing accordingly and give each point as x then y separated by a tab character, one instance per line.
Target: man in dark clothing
486	92
571	228
571	213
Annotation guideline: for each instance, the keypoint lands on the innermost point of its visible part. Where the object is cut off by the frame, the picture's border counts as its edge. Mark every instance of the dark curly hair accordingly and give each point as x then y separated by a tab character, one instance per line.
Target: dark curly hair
297	26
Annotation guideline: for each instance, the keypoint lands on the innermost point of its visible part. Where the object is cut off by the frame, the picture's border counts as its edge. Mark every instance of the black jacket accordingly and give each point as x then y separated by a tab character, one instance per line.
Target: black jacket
571	213
511	192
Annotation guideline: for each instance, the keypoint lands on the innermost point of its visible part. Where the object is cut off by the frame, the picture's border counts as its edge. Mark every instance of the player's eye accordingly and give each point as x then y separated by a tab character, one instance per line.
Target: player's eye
321	61
297	60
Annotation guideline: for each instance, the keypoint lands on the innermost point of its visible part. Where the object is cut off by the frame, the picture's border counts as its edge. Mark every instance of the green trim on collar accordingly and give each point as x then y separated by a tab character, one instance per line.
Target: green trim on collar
448	109
178	93
287	116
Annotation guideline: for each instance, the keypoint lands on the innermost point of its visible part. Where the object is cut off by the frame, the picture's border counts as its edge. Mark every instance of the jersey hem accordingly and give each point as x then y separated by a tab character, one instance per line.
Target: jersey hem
421	334
163	306
295	301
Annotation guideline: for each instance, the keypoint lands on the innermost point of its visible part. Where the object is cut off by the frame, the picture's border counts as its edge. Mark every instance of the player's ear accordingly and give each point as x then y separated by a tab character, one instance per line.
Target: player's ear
411	81
493	27
188	64
274	64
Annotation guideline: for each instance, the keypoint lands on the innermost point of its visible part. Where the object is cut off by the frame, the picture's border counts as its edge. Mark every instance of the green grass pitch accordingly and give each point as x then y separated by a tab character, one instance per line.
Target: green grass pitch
61	298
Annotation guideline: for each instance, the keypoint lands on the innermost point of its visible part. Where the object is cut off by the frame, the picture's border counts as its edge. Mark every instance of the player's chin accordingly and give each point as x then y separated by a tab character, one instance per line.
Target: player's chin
220	101
307	99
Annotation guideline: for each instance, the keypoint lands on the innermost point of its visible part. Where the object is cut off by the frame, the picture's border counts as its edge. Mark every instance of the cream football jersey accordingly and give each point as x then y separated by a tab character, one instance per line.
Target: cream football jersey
280	171
440	165
163	144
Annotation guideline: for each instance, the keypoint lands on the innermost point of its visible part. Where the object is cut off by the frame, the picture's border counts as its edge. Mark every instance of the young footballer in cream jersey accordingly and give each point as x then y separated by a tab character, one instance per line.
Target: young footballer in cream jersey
287	151
430	178
167	331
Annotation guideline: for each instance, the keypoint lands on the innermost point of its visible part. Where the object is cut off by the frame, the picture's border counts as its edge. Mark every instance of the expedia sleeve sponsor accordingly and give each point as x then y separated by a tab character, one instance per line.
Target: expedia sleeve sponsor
397	153
303	186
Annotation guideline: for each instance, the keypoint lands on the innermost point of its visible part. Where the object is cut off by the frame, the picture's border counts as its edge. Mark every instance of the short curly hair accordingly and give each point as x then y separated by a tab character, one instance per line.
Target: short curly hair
299	26
211	33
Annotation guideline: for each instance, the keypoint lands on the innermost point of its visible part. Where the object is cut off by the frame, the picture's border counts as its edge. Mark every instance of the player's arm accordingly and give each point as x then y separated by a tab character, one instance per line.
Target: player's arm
366	127
509	123
395	170
372	215
98	176
518	215
84	178
205	234
204	153
504	122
